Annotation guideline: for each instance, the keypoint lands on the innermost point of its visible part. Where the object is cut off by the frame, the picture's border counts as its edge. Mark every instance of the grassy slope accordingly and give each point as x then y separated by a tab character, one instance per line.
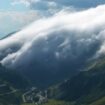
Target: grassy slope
87	88
99	102
53	102
14	82
57	102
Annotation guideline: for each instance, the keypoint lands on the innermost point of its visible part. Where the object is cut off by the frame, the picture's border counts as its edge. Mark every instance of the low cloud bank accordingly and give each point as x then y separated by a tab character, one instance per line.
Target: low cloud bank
65	37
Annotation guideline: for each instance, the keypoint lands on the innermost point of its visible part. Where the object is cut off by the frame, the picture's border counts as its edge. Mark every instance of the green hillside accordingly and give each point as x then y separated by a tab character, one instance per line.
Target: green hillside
12	77
11	86
86	88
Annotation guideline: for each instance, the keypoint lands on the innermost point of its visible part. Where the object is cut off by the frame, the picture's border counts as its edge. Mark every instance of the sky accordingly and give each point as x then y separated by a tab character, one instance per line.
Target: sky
6	5
14	17
17	14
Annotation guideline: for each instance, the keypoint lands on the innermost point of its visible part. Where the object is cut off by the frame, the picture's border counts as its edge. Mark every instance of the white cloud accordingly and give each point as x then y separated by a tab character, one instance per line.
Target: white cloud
50	7
64	35
47	6
25	2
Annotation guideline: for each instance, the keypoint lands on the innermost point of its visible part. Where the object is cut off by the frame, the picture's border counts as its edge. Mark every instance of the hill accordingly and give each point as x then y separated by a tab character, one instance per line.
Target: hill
86	88
12	85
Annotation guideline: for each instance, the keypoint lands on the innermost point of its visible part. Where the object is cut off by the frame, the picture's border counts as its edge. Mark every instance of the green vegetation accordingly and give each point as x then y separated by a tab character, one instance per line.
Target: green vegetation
57	102
11	86
28	104
99	102
86	88
13	78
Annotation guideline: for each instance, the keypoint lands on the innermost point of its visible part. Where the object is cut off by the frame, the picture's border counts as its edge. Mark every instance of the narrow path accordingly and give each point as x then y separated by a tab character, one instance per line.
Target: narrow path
23	96
11	92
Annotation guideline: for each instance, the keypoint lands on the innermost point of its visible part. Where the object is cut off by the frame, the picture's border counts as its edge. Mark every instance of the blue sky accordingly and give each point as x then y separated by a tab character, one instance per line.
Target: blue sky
6	5
14	17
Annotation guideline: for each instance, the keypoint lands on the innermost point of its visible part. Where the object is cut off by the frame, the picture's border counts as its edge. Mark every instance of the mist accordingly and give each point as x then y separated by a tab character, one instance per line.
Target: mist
50	45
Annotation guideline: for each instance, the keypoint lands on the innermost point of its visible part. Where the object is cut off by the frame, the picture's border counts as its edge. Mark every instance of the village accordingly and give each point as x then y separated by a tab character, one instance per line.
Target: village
35	96
31	96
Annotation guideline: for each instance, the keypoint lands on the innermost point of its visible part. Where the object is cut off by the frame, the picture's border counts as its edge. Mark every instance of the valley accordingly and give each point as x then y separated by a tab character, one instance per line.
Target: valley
85	88
52	52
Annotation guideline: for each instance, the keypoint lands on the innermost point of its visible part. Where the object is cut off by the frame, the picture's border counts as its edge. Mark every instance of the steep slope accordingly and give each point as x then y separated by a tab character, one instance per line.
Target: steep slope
87	88
12	77
11	86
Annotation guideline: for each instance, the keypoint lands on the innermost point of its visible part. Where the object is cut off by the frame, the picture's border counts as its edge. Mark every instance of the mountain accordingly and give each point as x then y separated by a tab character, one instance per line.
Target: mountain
12	77
12	85
8	35
54	49
86	88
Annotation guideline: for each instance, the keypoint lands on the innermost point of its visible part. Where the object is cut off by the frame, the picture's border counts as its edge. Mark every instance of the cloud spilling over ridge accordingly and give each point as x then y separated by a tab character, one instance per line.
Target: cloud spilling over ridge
62	37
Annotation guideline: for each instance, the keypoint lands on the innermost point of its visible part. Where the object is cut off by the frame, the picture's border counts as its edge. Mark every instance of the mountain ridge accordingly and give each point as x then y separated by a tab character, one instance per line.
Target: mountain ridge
86	88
